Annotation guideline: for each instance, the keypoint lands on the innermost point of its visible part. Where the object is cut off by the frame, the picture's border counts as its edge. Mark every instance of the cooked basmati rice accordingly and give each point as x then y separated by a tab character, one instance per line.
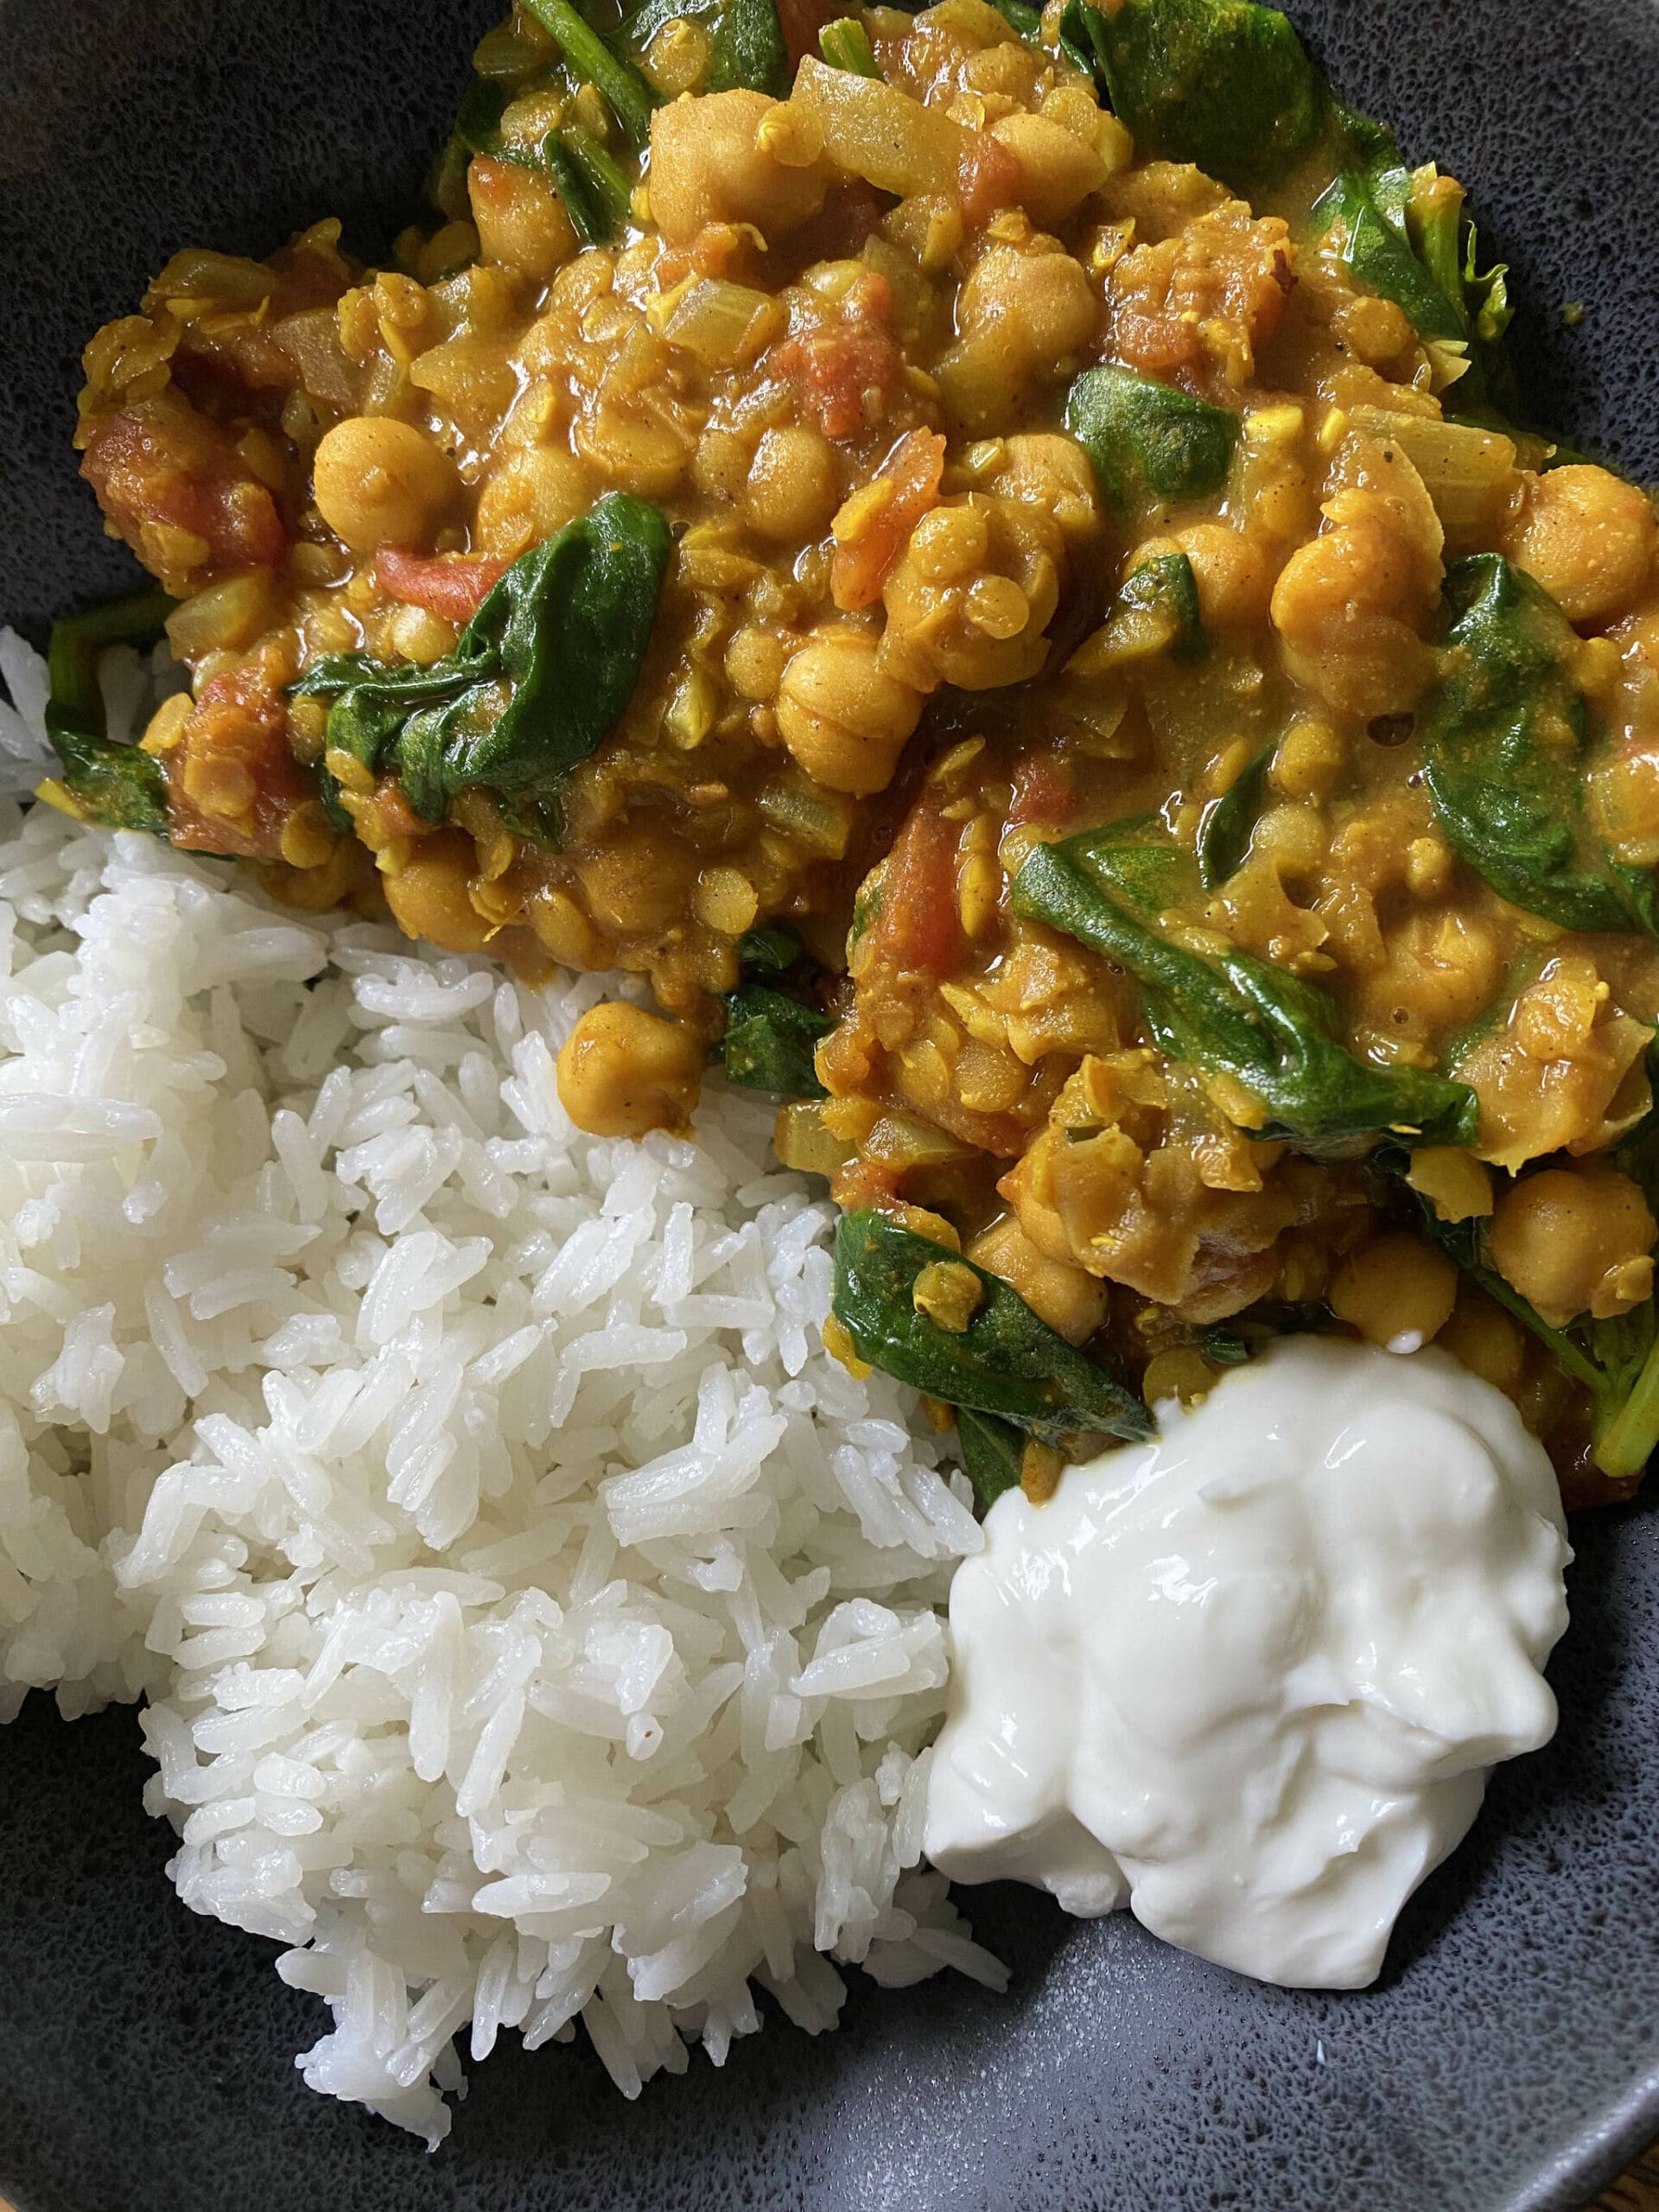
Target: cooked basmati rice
536	1624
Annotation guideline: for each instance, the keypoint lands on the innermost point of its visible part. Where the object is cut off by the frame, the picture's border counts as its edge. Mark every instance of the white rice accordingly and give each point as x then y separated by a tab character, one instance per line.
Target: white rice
536	1624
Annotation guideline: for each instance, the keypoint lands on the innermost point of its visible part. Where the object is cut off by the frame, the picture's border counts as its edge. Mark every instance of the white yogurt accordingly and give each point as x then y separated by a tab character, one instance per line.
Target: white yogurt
1250	1679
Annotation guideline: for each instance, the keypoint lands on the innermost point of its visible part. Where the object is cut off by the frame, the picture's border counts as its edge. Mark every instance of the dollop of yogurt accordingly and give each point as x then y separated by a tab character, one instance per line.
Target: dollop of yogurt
1250	1679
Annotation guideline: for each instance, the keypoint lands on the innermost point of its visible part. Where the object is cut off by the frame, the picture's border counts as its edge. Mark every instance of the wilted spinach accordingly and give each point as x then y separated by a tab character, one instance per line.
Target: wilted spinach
1147	437
992	1452
116	786
1223	83
1229	823
749	48
1366	211
1007	1362
1229	1012
1157	610
626	90
538	678
845	44
1504	738
594	190
770	1040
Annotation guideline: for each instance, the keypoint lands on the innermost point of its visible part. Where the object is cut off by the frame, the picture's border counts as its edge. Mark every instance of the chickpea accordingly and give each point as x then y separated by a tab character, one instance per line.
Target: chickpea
429	896
1040	305
1482	1335
1588	538
1396	1290
1575	1240
1070	1301
708	166
623	1072
521	222
637	884
529	498
379	482
1374	330
1232	572
1057	169
1346	606
1052	472
844	718
794	486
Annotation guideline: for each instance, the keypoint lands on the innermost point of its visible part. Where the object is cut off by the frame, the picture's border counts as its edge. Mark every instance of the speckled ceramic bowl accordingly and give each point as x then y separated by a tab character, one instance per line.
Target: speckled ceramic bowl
1511	2056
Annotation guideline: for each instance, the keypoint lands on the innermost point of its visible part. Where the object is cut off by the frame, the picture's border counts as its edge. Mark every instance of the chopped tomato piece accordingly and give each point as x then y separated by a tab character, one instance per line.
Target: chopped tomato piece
989	179
846	371
873	526
1044	794
231	780
452	588
177	490
918	929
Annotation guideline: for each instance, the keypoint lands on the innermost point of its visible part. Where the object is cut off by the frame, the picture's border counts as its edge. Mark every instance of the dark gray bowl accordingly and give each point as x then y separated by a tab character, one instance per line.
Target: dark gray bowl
1511	2056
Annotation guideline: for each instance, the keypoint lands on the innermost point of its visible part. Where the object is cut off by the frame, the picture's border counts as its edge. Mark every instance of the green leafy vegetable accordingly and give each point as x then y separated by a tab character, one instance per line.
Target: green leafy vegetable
1149	438
1018	16
769	949
1222	1346
116	786
749	50
596	193
1365	214
1223	83
1229	823
1504	738
1231	1014
628	93
845	44
992	1451
538	678
769	1042
1007	1362
1157	610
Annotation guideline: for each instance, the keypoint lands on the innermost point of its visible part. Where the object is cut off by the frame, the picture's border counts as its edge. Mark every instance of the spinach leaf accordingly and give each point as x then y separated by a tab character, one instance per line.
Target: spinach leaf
1149	439
1007	1362
595	193
992	1449
628	93
538	678
845	44
1230	822
769	949
749	50
116	786
1234	1016
1028	21
769	1042
1223	83
1503	737
1365	214
1156	612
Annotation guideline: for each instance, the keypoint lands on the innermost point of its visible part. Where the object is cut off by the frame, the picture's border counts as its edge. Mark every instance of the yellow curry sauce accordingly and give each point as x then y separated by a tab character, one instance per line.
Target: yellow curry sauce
834	347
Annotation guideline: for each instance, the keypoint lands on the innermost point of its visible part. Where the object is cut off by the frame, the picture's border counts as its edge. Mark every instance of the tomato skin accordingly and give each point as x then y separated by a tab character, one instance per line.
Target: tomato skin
910	476
160	463
454	589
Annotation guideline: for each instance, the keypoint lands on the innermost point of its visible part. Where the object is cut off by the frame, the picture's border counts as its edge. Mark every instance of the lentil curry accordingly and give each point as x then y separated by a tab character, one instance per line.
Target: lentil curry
989	557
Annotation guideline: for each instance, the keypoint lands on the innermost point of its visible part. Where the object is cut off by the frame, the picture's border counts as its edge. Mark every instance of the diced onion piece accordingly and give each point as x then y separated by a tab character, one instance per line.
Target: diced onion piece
1468	472
873	131
801	1140
723	325
821	820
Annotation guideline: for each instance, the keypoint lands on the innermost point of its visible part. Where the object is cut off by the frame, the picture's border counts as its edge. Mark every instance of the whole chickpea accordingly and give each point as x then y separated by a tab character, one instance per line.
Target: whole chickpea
1589	538
1396	1290
1057	169
623	1072
793	487
1575	1240
710	163
380	482
841	716
529	498
639	882
430	895
1040	304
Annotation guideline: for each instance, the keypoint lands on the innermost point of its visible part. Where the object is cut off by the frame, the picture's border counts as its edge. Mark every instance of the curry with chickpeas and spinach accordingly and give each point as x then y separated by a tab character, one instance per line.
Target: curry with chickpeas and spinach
990	556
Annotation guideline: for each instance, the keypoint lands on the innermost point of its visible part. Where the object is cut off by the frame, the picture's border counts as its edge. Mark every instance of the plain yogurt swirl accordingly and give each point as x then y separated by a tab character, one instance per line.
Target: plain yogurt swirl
1250	1679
